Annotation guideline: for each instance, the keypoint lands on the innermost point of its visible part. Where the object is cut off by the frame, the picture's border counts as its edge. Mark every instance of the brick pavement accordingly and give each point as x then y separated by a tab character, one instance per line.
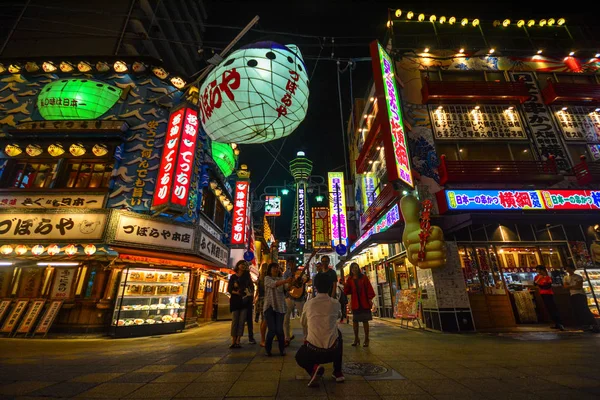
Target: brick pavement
198	364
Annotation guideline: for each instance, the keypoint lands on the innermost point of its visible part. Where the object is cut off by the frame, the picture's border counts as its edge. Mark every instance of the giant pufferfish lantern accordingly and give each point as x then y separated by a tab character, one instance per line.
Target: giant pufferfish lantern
257	94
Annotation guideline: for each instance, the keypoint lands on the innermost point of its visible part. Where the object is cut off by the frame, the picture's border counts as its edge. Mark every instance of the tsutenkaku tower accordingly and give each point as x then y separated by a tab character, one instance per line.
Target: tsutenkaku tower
301	168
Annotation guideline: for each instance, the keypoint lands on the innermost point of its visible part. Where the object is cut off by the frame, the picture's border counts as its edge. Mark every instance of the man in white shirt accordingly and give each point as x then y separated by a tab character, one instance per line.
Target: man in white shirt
323	342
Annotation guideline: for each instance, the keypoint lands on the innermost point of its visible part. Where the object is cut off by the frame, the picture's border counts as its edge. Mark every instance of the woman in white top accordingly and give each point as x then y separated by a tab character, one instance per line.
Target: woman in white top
274	307
582	312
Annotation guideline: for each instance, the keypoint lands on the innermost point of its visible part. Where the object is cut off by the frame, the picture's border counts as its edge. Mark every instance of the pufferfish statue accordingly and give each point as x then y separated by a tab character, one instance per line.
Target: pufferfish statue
259	93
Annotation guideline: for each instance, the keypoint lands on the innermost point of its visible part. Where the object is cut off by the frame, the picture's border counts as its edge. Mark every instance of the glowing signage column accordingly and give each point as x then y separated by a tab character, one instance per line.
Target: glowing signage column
321	236
337	208
240	207
301	214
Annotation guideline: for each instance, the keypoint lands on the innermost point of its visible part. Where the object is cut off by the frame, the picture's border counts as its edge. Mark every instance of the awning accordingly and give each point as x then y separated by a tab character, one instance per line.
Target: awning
392	235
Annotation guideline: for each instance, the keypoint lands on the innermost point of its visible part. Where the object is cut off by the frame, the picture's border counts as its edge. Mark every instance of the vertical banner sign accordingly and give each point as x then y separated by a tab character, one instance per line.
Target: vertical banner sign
396	147
272	206
32	314
175	171
368	189
301	214
238	226
4	306
321	237
48	317
14	316
337	209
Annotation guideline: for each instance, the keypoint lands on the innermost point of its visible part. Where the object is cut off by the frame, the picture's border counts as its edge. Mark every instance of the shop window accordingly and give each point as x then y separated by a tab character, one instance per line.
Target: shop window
463	76
495	76
88	174
509	233
551	257
208	202
577	151
521	152
574	233
525	233
26	175
219	214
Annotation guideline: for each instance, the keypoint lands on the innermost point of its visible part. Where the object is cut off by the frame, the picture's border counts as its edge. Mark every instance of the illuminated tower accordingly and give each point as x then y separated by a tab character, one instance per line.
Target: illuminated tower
301	168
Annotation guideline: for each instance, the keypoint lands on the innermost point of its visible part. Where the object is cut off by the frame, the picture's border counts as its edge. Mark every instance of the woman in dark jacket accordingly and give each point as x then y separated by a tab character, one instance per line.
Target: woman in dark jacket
236	289
361	292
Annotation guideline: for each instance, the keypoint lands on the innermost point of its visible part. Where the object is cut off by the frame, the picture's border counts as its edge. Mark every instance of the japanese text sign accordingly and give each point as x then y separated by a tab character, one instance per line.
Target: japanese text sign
301	214
240	206
176	165
48	317
213	250
321	236
337	208
14	316
487	200
44	200
387	90
35	308
50	226
272	206
63	282
382	225
145	232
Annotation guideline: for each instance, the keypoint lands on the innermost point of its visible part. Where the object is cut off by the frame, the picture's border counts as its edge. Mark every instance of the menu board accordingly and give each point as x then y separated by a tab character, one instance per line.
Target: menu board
34	311
63	282
407	303
14	316
4	305
48	317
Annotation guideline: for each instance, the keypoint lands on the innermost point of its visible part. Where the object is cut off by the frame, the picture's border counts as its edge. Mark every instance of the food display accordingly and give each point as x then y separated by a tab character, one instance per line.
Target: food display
150	300
593	276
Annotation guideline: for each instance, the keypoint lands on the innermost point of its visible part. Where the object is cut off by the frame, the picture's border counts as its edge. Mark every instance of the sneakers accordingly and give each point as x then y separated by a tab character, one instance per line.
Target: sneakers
318	372
338	376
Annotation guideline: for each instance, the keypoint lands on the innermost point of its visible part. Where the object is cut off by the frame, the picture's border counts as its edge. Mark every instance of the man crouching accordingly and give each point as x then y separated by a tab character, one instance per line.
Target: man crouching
322	339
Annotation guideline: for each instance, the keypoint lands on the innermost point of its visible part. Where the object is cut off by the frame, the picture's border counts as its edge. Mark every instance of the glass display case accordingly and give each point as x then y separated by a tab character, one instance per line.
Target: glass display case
593	278
150	301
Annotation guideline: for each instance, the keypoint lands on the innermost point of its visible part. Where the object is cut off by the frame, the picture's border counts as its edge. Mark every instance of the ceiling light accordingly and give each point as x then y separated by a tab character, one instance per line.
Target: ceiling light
120	66
506	23
543	22
84	66
421	17
372	99
561	21
370	161
398	13
440	108
565	108
461	51
5	264
571	54
389	24
492	50
57	264
475	22
409	15
597	110
539	51
432	18
426	50
464	21
597	55
551	21
531	23
477	107
48	66
511	108
521	23
160	72
451	20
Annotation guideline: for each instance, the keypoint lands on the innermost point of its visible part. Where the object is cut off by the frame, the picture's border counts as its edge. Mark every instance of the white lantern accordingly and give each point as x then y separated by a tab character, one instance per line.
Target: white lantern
6	249
37	249
53	249
70	250
89	249
20	250
257	94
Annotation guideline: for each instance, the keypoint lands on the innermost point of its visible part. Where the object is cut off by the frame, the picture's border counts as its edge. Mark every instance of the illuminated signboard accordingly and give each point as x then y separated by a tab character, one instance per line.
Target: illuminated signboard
487	200
224	157
337	208
369	188
385	82
272	206
321	237
240	207
301	214
79	99
175	172
382	225
282	247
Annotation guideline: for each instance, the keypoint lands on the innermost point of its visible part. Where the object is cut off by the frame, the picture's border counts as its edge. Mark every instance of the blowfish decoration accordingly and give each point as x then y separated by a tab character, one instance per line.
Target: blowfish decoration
257	94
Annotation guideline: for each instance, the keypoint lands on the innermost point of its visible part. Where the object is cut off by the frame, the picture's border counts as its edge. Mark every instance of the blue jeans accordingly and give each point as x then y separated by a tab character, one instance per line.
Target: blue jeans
275	328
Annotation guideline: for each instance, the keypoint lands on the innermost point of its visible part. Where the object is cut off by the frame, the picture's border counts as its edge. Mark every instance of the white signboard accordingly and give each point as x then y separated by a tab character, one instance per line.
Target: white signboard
53	227
213	249
208	227
63	280
44	201
153	233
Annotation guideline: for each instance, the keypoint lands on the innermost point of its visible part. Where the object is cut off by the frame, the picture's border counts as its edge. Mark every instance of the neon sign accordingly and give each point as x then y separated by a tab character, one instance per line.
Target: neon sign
386	84
337	208
484	200
240	206
272	206
382	225
301	214
320	228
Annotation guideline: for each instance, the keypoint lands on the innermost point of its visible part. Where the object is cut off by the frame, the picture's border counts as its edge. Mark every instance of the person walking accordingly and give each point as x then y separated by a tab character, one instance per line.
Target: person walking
274	308
248	302
544	282
236	304
259	303
583	315
323	342
361	292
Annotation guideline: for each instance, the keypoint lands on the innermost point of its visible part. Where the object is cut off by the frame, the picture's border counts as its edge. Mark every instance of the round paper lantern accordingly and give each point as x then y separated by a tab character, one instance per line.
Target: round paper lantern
12	150
56	149
89	249
70	250
99	150
77	149
257	94
53	249
20	250
34	150
37	249
6	249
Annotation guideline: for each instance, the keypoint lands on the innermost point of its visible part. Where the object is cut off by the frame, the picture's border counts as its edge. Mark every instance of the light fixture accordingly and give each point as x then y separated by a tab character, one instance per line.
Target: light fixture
236	152
432	18
37	249
597	110
285	192
213	185
70	250
564	108
461	50
496	23
31	67
372	99
506	23
14	68
56	149
521	23
229	207
365	116
543	22
6	249
222	198
89	249
319	198
66	66
442	19
539	51
421	17
33	150
464	21
100	150
5	264
440	108
300	154
571	54
398	13
138	67
475	22
84	66
20	249
452	20
551	21
218	191
57	264
12	150
77	149
409	15
511	108
102	66
492	50
477	107
120	66
2	68
53	249
378	147
178	82
370	161
426	50
561	21
226	202
597	55
530	23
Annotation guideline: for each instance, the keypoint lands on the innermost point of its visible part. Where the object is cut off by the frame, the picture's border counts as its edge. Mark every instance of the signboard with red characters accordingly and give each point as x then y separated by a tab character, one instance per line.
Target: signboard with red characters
174	175
240	208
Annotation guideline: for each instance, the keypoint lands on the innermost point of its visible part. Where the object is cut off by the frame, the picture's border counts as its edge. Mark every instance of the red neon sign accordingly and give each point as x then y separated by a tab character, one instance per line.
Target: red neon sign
240	206
185	159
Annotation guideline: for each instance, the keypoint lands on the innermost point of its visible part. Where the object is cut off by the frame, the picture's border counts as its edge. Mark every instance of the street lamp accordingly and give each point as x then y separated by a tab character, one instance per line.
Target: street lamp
319	198
285	192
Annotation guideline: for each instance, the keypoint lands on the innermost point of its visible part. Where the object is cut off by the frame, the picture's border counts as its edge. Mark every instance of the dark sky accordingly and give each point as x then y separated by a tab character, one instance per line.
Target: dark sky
354	24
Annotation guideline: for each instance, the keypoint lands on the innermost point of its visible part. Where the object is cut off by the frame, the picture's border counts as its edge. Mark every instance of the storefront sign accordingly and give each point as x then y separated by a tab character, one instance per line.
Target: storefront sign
282	247
143	165
272	206
487	122
151	233
301	214
95	125
35	308
4	305
48	317
391	111
14	316
369	188
321	236
212	249
175	171
239	228
63	281
208	227
44	201
337	209
540	121
578	123
486	200
47	226
382	225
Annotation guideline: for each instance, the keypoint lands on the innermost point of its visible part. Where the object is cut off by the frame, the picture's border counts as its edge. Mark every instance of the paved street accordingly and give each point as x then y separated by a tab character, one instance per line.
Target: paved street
408	365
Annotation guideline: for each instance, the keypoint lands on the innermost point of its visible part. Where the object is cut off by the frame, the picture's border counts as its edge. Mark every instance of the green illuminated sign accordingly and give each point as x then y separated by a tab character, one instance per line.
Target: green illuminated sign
223	155
77	99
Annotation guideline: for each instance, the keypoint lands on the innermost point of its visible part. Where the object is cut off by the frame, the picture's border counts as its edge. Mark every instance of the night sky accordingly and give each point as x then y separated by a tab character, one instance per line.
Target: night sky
311	25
